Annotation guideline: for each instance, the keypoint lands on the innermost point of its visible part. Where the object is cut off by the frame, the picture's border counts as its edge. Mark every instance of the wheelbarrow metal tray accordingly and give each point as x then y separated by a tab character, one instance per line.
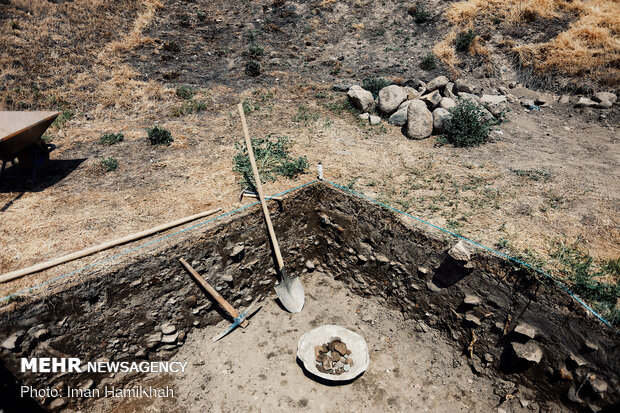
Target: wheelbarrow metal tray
18	130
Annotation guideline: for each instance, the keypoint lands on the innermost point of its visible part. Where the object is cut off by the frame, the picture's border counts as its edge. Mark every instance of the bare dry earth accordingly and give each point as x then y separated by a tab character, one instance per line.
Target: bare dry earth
256	370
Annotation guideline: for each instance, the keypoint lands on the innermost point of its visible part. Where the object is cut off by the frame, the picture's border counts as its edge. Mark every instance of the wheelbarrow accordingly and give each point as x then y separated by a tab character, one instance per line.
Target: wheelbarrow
20	138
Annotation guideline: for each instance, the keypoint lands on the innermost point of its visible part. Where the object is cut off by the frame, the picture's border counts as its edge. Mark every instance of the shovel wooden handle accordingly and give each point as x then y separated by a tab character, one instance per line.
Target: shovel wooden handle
259	189
220	300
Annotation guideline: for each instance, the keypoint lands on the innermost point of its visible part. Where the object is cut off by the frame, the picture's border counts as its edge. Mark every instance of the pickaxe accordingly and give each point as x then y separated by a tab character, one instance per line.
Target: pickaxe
240	319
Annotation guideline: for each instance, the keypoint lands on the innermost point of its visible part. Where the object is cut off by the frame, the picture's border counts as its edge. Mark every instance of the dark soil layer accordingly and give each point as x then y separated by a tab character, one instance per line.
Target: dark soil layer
113	314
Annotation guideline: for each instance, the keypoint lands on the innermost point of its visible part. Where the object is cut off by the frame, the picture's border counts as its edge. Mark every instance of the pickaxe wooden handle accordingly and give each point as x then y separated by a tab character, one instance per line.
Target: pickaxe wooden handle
220	300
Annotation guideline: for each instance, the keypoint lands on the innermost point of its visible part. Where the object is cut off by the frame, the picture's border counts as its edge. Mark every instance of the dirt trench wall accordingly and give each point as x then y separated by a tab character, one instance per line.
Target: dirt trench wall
374	252
119	313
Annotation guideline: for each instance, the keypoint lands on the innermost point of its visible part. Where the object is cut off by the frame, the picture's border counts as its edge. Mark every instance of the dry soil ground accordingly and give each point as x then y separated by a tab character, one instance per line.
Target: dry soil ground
255	369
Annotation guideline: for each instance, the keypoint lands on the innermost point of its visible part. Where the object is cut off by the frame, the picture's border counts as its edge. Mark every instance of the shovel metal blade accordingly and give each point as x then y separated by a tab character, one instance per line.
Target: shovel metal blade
290	291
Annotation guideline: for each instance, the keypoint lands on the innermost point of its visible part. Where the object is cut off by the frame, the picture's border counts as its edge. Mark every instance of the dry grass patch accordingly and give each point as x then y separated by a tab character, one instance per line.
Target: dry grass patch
590	46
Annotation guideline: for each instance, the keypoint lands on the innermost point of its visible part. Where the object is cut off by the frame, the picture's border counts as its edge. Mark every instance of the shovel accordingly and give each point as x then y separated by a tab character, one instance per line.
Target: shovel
289	291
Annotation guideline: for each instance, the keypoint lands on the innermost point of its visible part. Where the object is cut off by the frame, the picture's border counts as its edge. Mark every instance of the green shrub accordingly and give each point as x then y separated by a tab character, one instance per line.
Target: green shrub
185	92
428	62
464	39
375	84
419	14
189	107
111	138
304	115
252	68
341	105
533	174
468	125
109	164
255	51
585	277
249	107
272	159
65	116
159	136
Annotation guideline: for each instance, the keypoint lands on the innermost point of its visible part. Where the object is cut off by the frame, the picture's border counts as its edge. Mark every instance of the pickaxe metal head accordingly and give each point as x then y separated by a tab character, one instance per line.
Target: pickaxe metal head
241	318
248	193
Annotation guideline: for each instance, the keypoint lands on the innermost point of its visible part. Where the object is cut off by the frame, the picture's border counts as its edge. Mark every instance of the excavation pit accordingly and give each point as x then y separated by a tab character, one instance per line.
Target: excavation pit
471	333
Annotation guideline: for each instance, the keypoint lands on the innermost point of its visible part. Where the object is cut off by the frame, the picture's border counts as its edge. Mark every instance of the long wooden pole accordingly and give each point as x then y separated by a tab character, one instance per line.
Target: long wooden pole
259	189
91	250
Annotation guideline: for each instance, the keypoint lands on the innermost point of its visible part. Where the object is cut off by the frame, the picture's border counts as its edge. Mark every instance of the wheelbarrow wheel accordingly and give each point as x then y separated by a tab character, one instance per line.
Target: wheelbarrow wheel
35	157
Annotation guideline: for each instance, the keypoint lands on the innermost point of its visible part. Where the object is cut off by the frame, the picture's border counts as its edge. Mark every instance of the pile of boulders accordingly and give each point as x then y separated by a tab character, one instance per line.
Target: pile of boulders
423	108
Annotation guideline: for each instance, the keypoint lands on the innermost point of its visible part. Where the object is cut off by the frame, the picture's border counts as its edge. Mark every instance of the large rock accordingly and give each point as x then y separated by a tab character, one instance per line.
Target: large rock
487	115
432	99
399	118
447	103
448	91
604	100
461	251
476	99
168	328
471	300
469	96
390	98
472	320
341	87
576	361
11	342
419	120
411	93
527	102
495	104
237	252
564	99
602	96
528	353
417	84
461	85
170	338
440	117
584	102
361	99
437	83
525	331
